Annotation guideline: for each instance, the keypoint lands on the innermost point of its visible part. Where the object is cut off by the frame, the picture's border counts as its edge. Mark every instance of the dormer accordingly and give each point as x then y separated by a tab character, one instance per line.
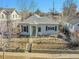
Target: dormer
15	15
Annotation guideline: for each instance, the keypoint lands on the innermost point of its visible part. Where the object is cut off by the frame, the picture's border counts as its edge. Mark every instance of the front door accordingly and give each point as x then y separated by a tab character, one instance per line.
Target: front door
33	30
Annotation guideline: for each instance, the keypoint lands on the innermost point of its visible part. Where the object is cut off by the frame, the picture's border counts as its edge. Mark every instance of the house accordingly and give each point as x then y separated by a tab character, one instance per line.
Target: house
36	25
72	24
9	17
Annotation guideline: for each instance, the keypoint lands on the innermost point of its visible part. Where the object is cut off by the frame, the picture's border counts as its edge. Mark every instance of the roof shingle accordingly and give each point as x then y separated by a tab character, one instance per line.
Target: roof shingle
35	19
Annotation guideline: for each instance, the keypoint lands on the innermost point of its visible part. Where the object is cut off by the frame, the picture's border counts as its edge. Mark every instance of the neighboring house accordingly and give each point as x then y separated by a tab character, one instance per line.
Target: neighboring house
8	15
36	25
72	24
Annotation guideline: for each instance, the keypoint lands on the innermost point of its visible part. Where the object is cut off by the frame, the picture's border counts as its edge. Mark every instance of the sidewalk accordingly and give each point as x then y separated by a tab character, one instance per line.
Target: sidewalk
10	55
53	56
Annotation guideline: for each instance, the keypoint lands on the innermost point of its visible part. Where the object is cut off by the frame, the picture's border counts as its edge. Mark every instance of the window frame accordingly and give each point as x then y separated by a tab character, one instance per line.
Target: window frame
50	28
39	29
24	29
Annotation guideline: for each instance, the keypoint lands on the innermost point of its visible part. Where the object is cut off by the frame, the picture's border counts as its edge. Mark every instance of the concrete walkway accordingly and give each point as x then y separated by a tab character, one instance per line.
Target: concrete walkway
10	55
53	56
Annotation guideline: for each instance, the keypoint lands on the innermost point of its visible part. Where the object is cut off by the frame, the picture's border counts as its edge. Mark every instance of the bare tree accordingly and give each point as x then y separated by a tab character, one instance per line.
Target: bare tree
69	7
23	5
26	6
32	6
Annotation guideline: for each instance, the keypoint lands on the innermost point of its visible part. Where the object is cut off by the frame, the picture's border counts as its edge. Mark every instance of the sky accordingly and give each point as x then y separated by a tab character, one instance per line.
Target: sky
43	5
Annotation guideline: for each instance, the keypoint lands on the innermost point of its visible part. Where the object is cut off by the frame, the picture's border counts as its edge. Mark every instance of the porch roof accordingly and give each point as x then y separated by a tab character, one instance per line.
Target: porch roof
35	19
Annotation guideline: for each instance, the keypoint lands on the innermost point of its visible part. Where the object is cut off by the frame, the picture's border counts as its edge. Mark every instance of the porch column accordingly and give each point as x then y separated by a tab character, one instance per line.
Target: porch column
57	28
30	31
36	30
20	29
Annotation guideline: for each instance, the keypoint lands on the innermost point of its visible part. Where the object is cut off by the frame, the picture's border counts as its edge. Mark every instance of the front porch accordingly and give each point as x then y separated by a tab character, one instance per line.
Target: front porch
28	30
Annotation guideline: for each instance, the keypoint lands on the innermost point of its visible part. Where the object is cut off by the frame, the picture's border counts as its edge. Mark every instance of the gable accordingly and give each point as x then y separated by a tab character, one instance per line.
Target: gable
2	13
14	13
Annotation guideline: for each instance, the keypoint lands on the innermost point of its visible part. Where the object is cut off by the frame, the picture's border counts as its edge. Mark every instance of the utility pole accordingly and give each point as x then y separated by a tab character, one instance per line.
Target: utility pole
53	7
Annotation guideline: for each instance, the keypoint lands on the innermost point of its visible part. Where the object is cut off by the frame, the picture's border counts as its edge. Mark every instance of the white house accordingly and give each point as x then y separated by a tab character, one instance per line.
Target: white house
72	24
8	14
36	25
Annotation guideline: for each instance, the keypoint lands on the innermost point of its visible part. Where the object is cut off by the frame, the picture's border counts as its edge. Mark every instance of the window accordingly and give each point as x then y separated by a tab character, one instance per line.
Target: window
13	16
2	16
24	28
55	28
78	24
51	28
46	28
39	29
16	16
